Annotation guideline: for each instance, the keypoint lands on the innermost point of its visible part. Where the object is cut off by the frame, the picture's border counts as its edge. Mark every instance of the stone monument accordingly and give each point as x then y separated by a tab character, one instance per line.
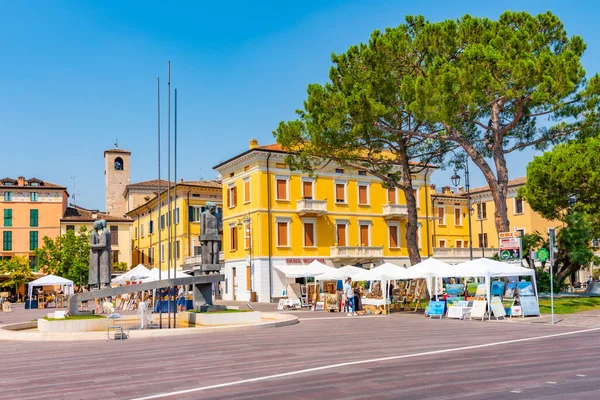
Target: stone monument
211	229
100	256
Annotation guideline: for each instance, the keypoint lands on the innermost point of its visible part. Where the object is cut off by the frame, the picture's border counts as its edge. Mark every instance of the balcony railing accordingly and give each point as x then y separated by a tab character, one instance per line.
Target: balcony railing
357	251
314	207
395	210
197	260
461	253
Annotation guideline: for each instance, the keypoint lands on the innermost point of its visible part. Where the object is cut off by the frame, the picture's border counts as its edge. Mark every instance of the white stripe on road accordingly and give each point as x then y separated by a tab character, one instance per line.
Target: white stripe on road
345	364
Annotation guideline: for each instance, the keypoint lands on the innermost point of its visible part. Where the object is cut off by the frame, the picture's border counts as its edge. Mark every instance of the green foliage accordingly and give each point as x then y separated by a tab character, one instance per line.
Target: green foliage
574	245
17	270
66	256
569	171
543	281
75	317
120	266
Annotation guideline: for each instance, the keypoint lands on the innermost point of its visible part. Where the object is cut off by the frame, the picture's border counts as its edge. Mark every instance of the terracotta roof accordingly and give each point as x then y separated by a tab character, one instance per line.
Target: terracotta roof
117	150
149	184
211	184
79	214
42	183
513	182
277	148
459	195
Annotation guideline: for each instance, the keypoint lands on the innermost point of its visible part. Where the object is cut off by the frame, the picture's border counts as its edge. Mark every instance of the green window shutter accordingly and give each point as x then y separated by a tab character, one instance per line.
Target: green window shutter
33	240
7	241
33	217
8	217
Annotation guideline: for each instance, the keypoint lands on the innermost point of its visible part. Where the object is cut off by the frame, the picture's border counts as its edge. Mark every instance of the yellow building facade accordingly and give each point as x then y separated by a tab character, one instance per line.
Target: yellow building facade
447	234
274	216
183	221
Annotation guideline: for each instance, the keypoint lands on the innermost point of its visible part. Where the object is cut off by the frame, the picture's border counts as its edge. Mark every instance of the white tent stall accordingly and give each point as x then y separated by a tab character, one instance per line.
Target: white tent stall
51	280
311	270
138	274
385	273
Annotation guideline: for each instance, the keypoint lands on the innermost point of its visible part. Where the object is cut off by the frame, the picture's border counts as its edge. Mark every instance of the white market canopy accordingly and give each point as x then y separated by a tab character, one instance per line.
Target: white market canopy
490	268
341	273
305	271
51	280
153	275
384	272
138	273
430	268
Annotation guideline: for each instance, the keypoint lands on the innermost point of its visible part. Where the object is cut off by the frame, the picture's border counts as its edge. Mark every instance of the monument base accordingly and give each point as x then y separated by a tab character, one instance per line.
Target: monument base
212	308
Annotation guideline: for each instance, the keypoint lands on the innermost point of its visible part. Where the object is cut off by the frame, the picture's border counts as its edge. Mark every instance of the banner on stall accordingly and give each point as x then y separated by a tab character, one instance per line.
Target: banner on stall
436	308
498	307
525	289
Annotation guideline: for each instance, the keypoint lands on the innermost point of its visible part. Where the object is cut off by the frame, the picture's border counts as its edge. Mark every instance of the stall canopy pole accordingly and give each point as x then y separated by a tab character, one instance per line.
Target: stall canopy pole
489	298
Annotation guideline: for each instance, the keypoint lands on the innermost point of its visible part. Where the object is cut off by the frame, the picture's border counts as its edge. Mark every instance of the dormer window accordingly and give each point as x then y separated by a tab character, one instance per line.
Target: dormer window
34	184
118	164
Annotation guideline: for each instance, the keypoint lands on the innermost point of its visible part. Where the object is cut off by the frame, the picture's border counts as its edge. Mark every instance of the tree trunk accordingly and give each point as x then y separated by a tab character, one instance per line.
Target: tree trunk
498	186
412	225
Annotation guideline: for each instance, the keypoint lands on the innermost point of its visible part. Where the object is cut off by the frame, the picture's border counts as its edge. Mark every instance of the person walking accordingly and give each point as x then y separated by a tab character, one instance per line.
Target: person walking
350	294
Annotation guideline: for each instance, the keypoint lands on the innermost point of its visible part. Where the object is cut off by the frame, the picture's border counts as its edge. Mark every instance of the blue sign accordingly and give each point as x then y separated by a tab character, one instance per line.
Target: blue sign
497	288
436	308
525	289
454	289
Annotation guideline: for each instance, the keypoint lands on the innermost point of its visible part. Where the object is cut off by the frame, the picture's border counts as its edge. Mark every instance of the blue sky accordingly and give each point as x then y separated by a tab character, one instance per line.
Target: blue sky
75	75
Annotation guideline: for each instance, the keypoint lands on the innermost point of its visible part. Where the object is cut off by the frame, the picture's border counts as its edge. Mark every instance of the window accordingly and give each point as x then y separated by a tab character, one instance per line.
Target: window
283	233
363	193
34	184
195	212
441	216
466	243
33	217
248	278
161	222
115	256
7	217
442	243
33	240
339	171
232	238
231	197
33	196
457	217
247	234
394	232
114	235
7	241
481	211
118	164
168	216
7	196
521	231
70	228
518	206
162	253
364	229
483	242
150	227
340	192
151	255
135	232
341	234
309	232
246	190
33	262
307	189
142	229
391	195
281	189
177	216
177	249
459	244
362	173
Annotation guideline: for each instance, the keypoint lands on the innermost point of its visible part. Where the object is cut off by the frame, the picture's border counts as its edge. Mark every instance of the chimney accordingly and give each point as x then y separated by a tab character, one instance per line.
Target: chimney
181	181
253	144
94	215
21	181
432	187
446	190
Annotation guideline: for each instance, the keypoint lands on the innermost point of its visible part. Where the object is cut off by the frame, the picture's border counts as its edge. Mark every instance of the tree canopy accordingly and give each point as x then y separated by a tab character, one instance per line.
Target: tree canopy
17	270
66	256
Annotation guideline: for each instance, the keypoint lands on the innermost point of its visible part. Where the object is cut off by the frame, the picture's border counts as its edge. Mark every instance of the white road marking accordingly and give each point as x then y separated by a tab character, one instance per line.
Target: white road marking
551	382
368	361
515	391
581	376
344	317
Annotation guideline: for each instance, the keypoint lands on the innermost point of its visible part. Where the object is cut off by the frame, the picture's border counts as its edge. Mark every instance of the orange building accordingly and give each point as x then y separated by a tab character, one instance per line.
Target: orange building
31	209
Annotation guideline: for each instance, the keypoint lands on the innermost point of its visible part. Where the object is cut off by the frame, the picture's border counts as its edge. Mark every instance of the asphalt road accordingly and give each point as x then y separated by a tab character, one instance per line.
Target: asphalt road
402	356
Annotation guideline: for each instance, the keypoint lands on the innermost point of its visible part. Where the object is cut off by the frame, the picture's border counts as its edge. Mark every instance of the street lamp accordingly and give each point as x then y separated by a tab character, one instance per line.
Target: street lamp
456	181
480	216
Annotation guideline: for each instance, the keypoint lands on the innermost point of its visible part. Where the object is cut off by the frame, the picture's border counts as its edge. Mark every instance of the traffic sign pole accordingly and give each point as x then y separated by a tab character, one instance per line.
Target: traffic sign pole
552	234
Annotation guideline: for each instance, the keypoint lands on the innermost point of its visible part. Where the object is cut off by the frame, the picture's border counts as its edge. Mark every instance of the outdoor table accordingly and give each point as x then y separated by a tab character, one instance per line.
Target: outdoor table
162	305
458	312
29	304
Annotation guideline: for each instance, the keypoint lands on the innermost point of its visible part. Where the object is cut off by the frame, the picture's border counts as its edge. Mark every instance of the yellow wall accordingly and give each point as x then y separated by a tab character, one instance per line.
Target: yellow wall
186	231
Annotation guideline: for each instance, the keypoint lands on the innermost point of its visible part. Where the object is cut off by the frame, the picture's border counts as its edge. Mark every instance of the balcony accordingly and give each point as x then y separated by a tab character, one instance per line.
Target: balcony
449	254
395	211
358	253
195	261
311	207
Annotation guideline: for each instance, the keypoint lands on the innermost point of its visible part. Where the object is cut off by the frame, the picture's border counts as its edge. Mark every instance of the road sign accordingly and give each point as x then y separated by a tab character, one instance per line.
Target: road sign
510	255
510	246
542	254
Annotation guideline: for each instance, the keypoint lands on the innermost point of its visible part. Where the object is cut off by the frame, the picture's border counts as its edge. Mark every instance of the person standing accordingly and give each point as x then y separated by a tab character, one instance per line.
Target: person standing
350	294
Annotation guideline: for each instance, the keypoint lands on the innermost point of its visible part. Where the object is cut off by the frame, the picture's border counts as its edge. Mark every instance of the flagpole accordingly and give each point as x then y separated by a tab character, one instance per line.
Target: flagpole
168	219
159	201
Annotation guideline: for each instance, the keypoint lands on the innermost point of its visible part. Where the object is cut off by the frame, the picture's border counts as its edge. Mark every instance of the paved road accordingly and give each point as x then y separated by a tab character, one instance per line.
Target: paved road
430	359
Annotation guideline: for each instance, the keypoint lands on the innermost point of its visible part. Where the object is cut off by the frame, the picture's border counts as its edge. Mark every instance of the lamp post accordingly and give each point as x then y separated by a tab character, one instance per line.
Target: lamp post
480	216
456	181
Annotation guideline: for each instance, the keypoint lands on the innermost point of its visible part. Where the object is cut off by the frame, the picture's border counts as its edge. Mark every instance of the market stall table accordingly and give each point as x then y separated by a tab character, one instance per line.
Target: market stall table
162	305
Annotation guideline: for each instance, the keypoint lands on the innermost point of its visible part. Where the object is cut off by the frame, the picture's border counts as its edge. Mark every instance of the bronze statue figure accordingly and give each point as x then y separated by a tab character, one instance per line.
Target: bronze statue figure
100	256
211	229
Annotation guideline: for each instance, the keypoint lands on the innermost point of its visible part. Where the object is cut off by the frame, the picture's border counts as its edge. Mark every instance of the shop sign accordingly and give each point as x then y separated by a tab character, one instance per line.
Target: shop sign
510	246
300	261
515	234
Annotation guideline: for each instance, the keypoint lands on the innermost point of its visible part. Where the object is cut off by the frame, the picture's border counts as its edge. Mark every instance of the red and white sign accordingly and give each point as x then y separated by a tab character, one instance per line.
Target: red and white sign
510	243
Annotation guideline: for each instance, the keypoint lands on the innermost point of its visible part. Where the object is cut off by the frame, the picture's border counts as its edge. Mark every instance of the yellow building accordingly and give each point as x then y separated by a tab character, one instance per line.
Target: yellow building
184	224
485	238
31	209
75	217
274	216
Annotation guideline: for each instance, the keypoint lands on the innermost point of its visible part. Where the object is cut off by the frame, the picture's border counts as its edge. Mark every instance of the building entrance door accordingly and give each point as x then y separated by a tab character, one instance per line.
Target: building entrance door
234	283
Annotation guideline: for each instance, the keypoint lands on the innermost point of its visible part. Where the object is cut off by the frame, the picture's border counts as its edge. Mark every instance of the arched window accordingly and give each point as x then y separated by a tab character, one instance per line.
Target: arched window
118	164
